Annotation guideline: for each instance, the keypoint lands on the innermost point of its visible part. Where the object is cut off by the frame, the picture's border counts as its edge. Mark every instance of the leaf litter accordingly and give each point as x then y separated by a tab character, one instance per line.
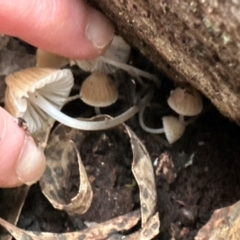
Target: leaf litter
101	231
61	157
63	154
195	182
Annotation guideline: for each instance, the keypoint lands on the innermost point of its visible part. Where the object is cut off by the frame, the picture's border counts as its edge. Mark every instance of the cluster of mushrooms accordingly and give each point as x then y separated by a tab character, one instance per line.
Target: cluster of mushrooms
185	102
38	94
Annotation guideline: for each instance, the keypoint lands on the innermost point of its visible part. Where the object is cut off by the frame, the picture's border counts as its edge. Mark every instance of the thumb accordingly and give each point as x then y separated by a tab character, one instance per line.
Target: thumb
20	160
68	27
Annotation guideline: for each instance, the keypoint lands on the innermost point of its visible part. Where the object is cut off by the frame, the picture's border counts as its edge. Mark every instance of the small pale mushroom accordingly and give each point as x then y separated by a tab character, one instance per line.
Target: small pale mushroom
119	51
38	94
172	127
52	85
185	102
115	58
99	90
46	59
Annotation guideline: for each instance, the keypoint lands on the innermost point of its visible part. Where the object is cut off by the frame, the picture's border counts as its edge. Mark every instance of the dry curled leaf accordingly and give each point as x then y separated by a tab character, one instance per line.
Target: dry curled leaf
61	154
100	231
149	231
143	171
224	224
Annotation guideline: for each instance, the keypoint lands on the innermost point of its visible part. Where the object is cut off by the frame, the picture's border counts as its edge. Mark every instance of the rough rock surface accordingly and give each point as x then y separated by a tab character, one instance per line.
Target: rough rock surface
192	41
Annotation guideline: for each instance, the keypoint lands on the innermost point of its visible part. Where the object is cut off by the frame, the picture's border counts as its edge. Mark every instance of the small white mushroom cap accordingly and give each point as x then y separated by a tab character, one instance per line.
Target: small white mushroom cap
173	128
118	51
114	58
99	90
185	102
53	85
46	59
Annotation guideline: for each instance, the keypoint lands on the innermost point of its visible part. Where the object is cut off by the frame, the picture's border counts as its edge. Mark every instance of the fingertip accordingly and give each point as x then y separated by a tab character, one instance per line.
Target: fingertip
69	28
31	163
12	138
99	30
20	159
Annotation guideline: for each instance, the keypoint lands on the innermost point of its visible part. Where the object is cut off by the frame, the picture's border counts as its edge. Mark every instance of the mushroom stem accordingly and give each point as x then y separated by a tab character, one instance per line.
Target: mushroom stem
191	121
46	106
181	118
131	70
97	110
144	127
71	98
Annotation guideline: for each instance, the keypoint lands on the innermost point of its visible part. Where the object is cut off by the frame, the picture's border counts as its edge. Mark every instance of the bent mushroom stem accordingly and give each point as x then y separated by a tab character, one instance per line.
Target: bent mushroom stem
131	70
46	106
144	127
72	98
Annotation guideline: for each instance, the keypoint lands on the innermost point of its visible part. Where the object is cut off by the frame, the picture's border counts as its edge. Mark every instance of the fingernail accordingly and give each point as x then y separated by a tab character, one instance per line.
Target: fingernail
31	163
99	30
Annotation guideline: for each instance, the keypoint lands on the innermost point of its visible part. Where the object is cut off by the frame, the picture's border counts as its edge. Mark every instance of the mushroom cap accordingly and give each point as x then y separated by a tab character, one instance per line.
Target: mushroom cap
119	51
52	84
46	59
185	102
173	128
99	90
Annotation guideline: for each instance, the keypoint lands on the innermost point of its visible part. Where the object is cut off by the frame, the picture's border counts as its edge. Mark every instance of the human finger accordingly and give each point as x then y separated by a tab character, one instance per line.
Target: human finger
69	28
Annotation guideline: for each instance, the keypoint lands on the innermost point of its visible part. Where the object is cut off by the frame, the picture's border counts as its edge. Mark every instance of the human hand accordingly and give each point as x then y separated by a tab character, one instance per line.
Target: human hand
69	28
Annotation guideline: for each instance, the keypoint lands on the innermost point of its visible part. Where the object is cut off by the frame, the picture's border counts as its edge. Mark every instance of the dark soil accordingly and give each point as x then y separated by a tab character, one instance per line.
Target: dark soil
212	180
209	182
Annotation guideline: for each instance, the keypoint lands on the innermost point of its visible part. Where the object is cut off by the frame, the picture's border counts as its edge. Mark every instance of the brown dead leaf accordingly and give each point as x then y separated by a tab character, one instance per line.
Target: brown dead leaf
61	154
224	224
101	231
149	231
143	171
